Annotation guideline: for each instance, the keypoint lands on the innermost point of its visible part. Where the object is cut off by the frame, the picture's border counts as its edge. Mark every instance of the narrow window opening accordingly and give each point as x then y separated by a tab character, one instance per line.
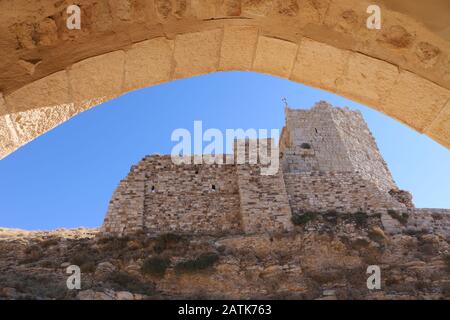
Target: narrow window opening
213	187
153	188
305	146
316	130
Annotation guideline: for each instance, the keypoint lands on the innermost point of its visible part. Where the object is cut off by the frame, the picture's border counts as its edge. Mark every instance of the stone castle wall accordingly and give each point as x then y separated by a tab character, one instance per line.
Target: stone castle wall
417	221
188	198
342	192
361	148
336	139
329	161
312	143
264	202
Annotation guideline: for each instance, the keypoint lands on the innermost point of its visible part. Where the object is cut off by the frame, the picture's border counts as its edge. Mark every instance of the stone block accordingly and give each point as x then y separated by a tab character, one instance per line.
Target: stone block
8	136
259	8
366	79
204	9
238	48
97	77
274	56
197	53
49	91
148	63
33	123
415	101
318	64
439	129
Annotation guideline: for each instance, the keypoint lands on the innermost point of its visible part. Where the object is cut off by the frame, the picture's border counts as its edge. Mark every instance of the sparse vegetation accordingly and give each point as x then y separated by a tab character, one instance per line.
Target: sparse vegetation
33	254
123	281
361	219
165	241
203	261
114	243
400	217
155	266
85	260
299	219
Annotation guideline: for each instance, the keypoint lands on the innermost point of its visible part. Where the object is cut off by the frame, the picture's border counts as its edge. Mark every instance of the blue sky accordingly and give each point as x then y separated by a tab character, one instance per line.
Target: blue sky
66	177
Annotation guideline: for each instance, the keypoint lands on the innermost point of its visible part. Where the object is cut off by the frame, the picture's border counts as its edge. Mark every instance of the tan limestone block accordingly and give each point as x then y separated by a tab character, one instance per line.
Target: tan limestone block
96	77
2	105
415	101
439	128
258	8
8	136
148	63
49	91
319	64
33	123
367	79
80	106
274	56
204	9
197	53
238	48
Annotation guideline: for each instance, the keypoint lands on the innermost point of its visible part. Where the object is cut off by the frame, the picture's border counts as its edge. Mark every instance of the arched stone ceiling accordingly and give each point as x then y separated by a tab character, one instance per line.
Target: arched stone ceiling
49	74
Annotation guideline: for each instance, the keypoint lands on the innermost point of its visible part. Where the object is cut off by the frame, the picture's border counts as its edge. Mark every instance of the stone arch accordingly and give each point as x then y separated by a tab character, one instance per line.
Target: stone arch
51	73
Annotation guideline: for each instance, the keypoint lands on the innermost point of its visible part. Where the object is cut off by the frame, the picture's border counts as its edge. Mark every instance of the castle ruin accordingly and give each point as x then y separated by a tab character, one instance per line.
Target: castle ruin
329	162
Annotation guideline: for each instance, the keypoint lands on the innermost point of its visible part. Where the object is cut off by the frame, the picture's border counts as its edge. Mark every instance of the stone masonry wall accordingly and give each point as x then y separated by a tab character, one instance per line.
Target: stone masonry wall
343	192
126	207
191	198
314	129
418	220
264	202
159	196
361	148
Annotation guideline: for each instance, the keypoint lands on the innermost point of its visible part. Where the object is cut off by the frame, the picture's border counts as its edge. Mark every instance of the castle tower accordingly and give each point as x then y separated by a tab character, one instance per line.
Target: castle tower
328	161
327	139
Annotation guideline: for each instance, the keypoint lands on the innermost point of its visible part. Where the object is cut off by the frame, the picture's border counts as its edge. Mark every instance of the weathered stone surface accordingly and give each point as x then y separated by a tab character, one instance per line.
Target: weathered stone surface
238	48
258	8
204	9
319	64
415	101
8	136
31	124
97	77
2	105
148	63
197	53
52	90
274	56
367	79
439	128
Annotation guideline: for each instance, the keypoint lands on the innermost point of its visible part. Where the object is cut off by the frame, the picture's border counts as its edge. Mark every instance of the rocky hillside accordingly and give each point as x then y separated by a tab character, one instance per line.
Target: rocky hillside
326	257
